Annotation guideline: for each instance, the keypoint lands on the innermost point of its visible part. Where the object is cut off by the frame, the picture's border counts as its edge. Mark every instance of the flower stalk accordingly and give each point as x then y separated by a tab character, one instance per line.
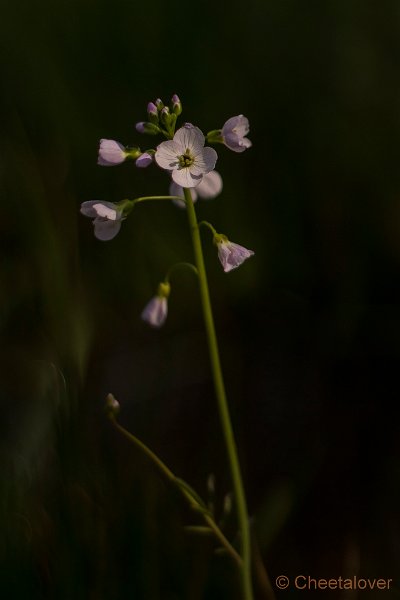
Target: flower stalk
223	408
184	489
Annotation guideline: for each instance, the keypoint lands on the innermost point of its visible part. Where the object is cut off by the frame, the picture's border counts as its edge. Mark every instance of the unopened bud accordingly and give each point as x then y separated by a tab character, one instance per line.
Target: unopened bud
112	405
159	103
176	105
147	127
152	112
165	115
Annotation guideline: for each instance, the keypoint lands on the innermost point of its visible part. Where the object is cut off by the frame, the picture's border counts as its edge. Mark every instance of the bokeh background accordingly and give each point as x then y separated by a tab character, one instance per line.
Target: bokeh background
309	328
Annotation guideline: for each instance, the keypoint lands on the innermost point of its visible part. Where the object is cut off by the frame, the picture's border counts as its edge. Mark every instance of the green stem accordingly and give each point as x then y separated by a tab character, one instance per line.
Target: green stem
180	265
147	198
184	490
210	227
240	497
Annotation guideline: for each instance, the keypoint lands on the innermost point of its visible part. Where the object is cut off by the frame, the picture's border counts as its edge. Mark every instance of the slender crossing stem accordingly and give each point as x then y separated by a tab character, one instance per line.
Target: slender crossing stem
184	490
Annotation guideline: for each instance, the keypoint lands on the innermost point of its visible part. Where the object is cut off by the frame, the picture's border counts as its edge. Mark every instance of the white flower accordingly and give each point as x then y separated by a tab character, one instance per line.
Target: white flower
186	157
231	255
209	187
233	133
106	218
111	153
156	310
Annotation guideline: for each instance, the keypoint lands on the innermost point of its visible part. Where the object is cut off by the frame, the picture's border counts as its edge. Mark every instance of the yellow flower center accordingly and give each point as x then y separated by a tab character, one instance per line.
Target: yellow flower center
186	159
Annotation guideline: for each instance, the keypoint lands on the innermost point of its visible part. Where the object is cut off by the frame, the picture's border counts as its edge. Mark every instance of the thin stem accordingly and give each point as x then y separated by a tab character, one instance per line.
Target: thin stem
184	490
243	520
180	265
147	198
210	227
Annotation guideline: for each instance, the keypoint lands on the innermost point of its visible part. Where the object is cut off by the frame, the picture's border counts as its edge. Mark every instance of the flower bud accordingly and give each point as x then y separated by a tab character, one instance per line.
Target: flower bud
165	115
176	105
152	113
112	405
144	160
147	127
159	104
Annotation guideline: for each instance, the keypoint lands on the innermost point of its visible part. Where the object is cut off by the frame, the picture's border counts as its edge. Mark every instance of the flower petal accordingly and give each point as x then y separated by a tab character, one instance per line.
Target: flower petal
144	160
185	178
155	312
238	125
235	143
106	230
189	137
204	162
111	153
210	186
232	255
106	212
87	208
167	154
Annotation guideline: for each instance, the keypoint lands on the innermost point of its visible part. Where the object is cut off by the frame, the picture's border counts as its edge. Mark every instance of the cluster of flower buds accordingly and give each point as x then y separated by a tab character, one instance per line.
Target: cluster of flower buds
161	118
190	164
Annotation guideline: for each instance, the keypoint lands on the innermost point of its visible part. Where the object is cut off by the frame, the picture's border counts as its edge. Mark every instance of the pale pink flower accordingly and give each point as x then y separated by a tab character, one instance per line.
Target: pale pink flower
233	133
231	255
111	153
106	218
185	156
156	310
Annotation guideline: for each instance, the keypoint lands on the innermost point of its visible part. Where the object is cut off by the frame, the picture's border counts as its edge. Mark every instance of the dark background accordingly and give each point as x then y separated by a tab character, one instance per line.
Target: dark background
309	328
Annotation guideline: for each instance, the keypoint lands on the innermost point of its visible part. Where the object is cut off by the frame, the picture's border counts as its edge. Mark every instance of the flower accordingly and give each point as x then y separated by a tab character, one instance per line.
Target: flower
144	160
233	133
231	255
156	310
186	156
106	217
209	187
111	153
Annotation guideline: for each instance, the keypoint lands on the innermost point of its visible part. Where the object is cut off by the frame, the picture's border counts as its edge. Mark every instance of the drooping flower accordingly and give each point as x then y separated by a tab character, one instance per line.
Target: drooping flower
144	160
231	255
156	310
186	157
111	153
233	133
209	187
106	217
